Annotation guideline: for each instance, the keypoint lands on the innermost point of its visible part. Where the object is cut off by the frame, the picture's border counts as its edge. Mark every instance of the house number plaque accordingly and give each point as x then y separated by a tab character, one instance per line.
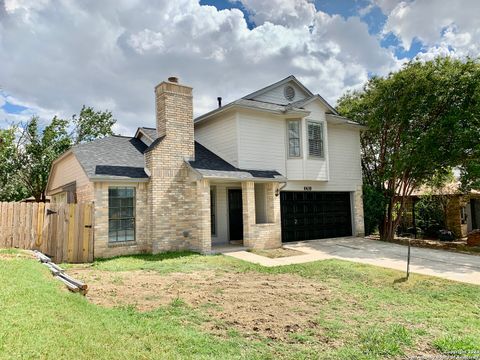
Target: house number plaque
307	188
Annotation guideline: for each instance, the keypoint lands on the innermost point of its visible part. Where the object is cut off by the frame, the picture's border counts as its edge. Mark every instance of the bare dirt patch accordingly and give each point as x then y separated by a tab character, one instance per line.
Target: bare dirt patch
20	254
278	253
274	306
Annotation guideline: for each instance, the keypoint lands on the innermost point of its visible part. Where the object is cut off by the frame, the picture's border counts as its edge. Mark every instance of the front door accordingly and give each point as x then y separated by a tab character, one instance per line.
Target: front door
235	214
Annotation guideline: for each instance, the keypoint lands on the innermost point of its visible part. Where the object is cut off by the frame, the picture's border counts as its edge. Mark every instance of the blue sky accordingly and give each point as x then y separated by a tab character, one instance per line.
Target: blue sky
57	57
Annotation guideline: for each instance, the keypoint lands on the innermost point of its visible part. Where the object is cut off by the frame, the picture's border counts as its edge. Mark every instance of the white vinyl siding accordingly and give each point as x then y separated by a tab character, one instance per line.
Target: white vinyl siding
277	95
315	139
261	142
220	136
294	141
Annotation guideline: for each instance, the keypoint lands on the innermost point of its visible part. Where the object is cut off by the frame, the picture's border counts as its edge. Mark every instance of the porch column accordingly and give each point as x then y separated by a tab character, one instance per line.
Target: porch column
204	237
272	203
358	212
249	220
273	239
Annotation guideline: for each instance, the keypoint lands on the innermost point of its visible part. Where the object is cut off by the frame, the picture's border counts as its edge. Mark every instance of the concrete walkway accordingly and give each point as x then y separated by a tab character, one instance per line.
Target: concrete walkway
445	264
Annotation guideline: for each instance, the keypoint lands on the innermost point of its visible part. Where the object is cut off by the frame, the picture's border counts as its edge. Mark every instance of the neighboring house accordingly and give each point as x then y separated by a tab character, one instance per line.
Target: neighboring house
461	209
278	165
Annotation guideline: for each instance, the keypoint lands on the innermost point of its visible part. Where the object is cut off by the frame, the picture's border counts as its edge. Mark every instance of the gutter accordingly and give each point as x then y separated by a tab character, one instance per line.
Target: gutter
117	179
280	179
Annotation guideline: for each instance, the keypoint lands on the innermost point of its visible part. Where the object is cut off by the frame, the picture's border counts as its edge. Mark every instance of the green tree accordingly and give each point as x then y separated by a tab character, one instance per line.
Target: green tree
90	125
38	148
11	189
27	151
422	121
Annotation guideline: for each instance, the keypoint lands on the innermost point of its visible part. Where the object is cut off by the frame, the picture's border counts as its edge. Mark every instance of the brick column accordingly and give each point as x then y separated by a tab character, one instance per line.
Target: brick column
204	237
358	212
273	203
249	220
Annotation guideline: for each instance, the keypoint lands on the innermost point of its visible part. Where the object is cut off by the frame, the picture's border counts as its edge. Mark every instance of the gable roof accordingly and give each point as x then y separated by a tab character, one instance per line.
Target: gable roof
113	157
249	101
311	96
267	88
150	133
209	165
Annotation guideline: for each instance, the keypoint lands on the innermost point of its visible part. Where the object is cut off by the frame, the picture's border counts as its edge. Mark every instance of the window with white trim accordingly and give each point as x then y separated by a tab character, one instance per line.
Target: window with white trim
315	139
293	128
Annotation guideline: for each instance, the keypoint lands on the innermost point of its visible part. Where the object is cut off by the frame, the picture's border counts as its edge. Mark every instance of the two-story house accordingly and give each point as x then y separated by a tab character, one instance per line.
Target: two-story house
277	165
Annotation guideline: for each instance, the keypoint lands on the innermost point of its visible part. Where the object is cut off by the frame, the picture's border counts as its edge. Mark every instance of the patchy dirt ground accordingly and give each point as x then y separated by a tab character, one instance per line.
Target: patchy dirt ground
273	306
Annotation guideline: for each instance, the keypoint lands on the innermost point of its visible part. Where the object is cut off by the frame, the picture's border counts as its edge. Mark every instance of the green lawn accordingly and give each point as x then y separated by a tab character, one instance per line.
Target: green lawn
369	314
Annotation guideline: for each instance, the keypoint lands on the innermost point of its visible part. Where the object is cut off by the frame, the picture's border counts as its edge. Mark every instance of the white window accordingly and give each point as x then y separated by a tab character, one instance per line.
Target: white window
315	139
293	128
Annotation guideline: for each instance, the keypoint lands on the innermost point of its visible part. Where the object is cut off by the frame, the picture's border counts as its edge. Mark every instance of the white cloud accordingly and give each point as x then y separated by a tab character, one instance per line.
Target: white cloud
57	55
282	12
441	26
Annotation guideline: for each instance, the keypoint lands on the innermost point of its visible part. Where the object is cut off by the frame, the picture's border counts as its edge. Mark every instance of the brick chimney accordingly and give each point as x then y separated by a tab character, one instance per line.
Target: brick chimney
171	195
174	111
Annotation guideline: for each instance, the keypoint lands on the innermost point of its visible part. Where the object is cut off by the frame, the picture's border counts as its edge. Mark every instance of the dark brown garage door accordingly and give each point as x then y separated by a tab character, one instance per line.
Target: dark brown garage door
315	215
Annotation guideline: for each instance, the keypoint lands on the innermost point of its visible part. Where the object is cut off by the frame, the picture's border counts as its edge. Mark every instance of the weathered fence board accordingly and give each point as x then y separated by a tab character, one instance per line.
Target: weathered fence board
62	231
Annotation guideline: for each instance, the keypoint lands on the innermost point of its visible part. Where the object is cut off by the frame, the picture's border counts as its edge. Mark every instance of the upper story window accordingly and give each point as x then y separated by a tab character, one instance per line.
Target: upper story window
315	139
121	214
293	128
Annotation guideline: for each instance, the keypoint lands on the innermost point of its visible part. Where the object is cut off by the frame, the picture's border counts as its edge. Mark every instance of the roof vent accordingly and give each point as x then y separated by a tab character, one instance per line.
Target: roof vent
173	79
289	92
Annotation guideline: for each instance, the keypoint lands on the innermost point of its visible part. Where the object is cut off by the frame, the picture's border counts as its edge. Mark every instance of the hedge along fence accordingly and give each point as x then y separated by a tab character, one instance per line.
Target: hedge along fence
62	231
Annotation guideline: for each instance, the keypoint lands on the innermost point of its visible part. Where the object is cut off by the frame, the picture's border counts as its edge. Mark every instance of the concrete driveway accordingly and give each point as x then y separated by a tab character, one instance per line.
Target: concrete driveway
445	264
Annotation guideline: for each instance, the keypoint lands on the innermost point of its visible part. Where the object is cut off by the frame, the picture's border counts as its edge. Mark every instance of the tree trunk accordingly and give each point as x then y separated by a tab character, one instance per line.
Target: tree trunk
387	232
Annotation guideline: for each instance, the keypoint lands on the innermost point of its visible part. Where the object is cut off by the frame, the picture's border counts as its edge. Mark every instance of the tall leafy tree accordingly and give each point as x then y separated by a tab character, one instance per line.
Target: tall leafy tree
91	124
38	148
27	152
11	189
422	121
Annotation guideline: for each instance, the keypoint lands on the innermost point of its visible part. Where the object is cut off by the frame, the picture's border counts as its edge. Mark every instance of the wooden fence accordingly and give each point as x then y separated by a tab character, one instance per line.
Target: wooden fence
62	231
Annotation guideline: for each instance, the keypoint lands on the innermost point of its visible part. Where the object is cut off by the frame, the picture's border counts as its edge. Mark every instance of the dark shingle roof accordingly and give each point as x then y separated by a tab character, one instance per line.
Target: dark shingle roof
150	132
115	157
118	157
209	164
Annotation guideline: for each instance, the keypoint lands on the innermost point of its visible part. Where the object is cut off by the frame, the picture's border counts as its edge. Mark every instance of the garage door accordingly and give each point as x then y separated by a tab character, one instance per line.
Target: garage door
315	215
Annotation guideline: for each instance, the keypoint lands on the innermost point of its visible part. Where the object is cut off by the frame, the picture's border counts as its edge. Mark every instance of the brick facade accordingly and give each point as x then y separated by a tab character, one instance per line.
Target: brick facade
86	193
172	195
102	247
261	236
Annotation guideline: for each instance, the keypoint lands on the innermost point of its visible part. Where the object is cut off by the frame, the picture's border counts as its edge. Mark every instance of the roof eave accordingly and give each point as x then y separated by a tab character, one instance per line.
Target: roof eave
140	130
211	177
340	120
117	179
254	179
233	106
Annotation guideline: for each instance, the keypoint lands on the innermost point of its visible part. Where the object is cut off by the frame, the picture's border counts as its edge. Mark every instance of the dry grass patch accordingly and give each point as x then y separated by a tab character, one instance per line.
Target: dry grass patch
277	253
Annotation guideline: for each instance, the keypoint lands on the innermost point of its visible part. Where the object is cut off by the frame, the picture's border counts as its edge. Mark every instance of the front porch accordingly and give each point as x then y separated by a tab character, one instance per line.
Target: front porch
239	213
